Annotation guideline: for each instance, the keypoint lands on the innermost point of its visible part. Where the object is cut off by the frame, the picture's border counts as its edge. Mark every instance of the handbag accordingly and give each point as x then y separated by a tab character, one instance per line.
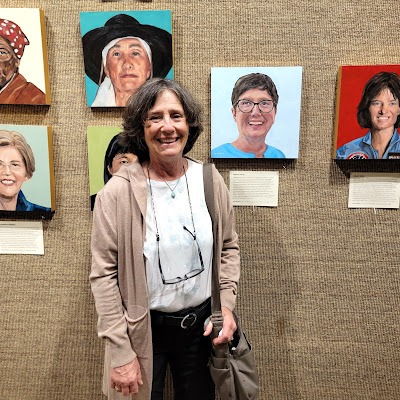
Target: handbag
232	365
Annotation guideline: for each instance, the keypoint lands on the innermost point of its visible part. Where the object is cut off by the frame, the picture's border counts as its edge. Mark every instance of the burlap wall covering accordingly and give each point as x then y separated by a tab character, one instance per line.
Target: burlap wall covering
319	294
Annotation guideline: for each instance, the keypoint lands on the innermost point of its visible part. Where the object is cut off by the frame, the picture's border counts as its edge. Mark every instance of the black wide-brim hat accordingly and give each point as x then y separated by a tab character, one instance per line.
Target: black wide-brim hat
120	26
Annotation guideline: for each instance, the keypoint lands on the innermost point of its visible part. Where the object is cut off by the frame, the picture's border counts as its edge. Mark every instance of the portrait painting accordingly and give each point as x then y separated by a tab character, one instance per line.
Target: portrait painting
26	169
105	156
367	113
123	49
255	112
24	71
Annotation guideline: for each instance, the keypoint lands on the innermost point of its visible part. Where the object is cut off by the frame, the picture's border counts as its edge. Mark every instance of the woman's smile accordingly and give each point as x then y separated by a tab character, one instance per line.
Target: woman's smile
168	140
12	172
7	182
255	123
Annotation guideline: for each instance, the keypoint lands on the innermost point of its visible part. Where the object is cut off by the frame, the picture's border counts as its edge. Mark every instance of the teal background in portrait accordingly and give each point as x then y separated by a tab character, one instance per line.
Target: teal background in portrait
284	133
38	189
91	20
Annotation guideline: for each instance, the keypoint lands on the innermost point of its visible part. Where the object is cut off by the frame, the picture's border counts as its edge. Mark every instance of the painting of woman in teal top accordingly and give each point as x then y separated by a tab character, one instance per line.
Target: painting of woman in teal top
254	104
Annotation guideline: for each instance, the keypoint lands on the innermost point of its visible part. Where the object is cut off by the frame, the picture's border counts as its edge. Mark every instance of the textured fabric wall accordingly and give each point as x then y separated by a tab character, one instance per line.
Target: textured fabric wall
319	294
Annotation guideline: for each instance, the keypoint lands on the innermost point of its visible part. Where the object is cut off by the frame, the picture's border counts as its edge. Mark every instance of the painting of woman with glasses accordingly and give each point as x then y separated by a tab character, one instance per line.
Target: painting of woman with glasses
17	167
254	104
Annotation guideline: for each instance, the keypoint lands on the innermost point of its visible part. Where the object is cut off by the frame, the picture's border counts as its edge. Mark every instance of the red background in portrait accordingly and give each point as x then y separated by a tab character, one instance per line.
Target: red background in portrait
351	82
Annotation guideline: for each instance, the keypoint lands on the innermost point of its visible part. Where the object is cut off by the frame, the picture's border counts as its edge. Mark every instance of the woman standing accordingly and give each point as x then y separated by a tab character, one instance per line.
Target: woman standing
152	248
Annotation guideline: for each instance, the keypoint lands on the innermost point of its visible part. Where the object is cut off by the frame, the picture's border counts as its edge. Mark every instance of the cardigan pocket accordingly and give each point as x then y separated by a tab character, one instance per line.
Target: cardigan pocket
138	329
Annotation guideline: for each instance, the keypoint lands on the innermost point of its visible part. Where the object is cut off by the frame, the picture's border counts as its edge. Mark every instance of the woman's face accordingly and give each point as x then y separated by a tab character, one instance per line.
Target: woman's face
384	110
12	171
166	130
8	62
128	65
255	124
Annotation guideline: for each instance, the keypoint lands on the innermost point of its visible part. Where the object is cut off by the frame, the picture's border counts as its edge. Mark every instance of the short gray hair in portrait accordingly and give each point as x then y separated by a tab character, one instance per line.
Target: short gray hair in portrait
12	138
254	81
380	81
139	105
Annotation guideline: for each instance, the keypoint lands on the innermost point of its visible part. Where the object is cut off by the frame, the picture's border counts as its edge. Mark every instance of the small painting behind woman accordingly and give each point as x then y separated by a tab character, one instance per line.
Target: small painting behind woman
105	156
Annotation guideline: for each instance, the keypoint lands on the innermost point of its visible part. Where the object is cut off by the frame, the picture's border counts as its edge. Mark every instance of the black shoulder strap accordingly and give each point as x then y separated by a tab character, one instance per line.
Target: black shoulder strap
209	196
209	190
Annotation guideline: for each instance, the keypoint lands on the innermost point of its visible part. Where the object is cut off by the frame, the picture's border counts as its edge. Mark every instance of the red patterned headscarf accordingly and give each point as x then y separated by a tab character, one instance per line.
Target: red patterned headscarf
13	33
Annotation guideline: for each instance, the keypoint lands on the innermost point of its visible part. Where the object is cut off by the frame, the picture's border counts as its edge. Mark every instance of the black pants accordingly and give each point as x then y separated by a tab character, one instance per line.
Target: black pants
186	351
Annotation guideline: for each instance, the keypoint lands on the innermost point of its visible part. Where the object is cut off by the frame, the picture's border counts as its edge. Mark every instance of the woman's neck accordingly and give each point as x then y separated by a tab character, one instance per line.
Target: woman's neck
381	139
121	98
250	145
8	203
167	171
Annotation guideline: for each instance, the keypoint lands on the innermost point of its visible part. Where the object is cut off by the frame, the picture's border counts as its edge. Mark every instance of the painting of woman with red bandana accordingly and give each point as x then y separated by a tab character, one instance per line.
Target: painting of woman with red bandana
15	87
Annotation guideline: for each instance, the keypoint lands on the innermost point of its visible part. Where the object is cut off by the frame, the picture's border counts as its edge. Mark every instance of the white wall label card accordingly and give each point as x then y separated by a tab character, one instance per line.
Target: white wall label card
374	190
254	188
21	237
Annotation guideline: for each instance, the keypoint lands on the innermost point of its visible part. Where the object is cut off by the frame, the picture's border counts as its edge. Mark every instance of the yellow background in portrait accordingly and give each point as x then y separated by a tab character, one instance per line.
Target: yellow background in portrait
98	138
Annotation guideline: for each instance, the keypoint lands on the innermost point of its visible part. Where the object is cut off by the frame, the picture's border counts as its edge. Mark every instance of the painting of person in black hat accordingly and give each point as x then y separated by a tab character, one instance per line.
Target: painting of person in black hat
121	55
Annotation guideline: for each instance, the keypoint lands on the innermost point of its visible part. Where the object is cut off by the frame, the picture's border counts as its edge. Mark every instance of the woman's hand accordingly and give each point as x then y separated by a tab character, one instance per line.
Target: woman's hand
228	327
127	378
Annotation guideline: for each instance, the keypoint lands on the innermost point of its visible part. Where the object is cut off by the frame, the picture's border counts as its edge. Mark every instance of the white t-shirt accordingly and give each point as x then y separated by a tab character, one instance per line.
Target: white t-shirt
178	250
